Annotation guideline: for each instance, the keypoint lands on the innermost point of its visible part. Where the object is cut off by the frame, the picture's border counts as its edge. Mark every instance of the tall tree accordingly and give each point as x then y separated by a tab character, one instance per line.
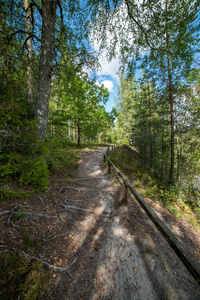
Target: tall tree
166	30
46	64
80	100
29	46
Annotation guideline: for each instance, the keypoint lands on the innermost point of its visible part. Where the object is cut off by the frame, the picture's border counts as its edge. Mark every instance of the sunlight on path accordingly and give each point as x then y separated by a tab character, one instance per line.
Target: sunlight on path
121	273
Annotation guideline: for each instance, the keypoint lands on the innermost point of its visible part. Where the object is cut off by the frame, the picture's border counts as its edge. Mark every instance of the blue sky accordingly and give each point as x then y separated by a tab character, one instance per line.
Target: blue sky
107	75
111	84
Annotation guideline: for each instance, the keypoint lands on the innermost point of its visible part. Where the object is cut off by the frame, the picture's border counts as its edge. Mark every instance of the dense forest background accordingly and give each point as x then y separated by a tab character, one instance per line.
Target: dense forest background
52	106
50	101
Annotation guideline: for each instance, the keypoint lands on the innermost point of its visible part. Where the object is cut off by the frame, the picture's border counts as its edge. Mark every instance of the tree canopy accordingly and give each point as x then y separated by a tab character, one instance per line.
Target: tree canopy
47	88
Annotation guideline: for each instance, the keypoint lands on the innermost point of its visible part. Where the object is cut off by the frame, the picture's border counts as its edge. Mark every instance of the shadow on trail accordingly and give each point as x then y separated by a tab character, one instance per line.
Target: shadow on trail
121	254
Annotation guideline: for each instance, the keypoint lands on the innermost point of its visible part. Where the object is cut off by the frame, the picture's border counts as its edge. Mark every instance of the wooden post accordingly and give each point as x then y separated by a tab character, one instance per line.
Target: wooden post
109	167
124	194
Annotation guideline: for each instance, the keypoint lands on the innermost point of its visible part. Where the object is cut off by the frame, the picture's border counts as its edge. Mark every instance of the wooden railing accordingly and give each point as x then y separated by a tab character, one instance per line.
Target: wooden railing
185	256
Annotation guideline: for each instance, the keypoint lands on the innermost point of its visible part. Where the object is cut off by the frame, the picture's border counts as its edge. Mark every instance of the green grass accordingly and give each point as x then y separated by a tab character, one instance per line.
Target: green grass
126	159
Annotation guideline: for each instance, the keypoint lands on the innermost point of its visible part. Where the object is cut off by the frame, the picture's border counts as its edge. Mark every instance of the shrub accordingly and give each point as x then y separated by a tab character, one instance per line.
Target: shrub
35	172
25	170
21	278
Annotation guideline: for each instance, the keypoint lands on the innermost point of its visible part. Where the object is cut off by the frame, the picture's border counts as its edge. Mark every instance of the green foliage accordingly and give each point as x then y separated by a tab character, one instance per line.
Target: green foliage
59	158
166	196
55	156
21	154
126	159
191	196
8	193
35	172
29	241
21	278
25	170
76	109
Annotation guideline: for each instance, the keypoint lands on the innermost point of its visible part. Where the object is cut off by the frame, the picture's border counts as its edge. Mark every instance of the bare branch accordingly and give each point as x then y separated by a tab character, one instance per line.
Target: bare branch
33	3
128	3
31	34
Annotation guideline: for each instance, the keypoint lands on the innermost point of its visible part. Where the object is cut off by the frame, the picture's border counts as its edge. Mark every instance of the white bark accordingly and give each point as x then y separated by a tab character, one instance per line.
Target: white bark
45	67
29	45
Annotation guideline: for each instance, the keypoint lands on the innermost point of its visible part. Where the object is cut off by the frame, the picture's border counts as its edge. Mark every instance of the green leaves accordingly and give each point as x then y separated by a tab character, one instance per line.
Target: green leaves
79	100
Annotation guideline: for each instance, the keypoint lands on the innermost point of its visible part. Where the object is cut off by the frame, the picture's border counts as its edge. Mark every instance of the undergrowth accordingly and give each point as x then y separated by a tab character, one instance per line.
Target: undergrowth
21	278
60	158
180	202
22	175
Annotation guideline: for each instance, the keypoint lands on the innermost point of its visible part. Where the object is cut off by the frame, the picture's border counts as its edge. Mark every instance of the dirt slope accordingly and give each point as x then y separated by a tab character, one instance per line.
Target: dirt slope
101	249
120	254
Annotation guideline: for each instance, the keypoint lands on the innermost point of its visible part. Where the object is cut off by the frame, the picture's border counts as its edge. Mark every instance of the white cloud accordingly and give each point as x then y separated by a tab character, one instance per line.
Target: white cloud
108	68
108	84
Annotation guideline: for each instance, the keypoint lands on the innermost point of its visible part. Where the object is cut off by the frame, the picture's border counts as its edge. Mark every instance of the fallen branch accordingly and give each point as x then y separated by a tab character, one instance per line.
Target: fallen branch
70	200
40	198
86	185
22	227
44	263
6	212
67	207
78	179
77	189
59	218
36	215
49	189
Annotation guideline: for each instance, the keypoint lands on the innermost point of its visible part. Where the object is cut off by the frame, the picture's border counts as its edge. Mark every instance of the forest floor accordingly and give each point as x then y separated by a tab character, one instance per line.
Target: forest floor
98	248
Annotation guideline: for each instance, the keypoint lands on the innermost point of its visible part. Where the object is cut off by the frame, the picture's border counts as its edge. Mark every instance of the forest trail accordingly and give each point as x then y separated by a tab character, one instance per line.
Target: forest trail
115	251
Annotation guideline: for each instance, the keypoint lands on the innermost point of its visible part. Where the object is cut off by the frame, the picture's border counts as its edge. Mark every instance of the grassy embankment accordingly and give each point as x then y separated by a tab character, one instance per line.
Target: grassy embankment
178	202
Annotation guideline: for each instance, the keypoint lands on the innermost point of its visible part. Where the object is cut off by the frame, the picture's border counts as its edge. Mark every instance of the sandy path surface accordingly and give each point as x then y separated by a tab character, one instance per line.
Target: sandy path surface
119	253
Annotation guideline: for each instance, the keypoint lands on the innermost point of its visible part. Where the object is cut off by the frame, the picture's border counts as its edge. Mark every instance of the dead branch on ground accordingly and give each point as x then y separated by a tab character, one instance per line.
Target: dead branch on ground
44	263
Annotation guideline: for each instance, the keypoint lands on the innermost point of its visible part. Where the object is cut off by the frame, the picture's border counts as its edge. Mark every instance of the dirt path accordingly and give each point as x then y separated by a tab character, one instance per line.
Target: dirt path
116	252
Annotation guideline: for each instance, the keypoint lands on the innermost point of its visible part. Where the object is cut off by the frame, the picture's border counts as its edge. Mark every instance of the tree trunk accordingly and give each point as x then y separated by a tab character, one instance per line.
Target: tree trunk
69	124
29	46
162	157
150	130
171	175
45	67
79	135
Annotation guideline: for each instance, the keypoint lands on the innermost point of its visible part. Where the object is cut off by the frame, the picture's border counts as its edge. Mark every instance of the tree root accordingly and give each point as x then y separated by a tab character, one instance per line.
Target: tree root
6	212
77	189
70	200
68	207
40	198
45	264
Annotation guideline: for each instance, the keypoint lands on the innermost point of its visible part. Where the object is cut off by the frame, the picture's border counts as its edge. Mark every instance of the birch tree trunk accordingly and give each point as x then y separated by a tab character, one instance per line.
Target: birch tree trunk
45	66
79	135
29	46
